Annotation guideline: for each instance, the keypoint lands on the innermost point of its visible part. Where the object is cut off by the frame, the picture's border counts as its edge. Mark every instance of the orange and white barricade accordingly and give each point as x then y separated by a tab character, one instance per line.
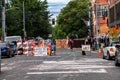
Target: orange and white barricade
49	49
19	47
28	47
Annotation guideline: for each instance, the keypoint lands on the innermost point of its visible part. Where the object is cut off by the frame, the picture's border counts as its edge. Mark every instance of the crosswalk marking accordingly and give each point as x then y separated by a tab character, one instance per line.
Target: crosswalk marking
67	72
75	66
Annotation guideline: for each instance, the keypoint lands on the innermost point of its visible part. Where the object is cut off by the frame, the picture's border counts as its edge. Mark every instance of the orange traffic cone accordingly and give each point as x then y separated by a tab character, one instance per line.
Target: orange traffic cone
99	52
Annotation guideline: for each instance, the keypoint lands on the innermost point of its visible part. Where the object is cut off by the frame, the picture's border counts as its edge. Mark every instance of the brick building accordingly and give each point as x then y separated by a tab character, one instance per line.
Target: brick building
114	18
100	17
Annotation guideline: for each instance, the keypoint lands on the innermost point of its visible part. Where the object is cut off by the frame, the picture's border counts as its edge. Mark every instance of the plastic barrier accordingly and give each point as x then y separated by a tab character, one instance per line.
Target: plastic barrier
49	49
40	51
28	47
86	48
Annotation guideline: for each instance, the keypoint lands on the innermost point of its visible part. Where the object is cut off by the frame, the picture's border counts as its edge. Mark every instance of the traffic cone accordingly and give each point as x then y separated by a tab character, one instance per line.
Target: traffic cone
99	52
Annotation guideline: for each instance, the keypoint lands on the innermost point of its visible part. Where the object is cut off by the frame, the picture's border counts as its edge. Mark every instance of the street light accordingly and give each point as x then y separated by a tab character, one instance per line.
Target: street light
24	31
3	20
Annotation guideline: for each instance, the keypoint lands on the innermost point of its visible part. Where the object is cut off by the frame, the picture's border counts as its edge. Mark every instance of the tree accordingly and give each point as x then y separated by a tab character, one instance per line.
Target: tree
36	18
70	20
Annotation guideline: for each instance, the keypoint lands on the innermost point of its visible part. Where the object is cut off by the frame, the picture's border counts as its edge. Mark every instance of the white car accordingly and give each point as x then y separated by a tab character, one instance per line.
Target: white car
110	50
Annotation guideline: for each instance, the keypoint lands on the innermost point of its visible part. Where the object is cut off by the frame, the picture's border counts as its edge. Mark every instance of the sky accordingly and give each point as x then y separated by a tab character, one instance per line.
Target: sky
58	1
54	6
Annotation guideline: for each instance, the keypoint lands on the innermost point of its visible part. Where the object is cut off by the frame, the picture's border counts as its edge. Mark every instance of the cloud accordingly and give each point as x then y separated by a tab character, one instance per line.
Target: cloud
57	1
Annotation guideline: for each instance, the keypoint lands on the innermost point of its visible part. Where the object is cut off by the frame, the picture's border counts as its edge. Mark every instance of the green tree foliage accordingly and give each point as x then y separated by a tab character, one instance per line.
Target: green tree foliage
70	20
36	18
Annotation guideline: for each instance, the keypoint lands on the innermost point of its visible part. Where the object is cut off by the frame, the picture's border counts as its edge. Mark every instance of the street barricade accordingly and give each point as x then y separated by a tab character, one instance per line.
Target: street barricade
86	48
28	47
40	51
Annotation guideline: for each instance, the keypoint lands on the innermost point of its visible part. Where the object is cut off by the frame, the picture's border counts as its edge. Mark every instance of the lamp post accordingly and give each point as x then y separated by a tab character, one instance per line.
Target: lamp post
24	31
3	20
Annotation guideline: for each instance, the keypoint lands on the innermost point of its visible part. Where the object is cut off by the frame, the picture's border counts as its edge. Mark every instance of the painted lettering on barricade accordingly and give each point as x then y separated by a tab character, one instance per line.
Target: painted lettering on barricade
40	51
85	47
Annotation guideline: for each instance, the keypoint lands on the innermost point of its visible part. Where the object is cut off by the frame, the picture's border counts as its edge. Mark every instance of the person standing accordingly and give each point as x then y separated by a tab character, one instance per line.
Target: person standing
68	42
71	44
53	41
53	48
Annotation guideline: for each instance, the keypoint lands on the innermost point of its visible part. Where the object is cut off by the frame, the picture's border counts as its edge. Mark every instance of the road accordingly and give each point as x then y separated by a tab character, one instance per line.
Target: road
65	65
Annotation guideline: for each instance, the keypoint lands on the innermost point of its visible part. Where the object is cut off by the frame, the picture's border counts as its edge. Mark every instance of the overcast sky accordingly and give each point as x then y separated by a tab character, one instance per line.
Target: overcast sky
63	1
54	1
56	6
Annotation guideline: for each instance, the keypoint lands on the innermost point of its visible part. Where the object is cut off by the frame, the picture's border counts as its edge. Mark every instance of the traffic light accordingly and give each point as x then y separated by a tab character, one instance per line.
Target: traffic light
53	21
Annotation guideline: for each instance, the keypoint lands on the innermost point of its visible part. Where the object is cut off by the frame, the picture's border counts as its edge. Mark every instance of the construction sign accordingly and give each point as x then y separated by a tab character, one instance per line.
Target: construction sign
40	51
85	47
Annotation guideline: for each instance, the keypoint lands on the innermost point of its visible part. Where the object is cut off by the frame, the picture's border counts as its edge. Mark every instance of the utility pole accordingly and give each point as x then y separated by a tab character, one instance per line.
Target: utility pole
3	20
24	31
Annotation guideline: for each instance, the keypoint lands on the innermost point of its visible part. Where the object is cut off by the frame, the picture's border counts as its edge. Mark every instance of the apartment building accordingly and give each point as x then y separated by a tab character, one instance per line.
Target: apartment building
100	17
114	18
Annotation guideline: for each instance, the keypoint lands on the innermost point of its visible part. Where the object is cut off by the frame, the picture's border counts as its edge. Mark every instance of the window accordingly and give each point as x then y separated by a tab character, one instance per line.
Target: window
111	15
102	10
118	12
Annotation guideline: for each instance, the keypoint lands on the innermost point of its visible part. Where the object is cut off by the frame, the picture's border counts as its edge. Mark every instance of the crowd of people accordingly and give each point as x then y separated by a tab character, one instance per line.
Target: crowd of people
94	42
98	42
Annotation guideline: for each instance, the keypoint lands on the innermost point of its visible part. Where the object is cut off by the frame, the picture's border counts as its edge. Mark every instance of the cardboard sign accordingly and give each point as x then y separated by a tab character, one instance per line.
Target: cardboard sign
85	47
40	51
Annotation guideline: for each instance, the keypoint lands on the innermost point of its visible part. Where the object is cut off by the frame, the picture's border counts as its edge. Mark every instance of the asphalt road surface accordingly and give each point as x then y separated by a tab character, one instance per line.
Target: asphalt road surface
65	65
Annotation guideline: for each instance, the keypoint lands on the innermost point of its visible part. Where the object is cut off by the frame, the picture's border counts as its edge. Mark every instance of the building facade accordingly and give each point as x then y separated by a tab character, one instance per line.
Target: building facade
100	17
114	18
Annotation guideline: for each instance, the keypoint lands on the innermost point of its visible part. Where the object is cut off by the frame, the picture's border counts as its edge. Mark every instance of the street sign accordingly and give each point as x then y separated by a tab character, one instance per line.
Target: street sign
85	47
40	51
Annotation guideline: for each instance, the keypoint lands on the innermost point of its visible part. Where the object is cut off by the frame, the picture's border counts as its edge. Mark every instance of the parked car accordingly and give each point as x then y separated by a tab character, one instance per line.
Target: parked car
117	57
110	50
17	40
6	50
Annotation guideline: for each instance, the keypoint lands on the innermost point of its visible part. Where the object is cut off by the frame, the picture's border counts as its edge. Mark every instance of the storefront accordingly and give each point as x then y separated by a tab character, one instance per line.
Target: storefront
114	18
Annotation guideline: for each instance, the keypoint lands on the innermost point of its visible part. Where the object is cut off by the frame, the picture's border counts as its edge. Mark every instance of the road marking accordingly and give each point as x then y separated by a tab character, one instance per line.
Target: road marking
76	66
69	72
2	64
84	65
7	68
67	67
